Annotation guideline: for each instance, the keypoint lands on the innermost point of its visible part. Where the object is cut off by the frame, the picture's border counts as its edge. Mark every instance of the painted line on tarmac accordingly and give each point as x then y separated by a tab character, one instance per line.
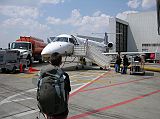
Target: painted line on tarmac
116	84
77	90
31	90
6	100
112	106
26	113
78	84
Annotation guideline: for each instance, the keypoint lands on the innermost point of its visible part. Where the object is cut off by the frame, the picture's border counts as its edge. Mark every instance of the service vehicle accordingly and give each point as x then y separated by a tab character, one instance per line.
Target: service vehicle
30	48
11	61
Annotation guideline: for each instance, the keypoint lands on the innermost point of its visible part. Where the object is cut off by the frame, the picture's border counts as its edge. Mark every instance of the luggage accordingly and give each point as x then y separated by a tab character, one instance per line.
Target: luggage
51	95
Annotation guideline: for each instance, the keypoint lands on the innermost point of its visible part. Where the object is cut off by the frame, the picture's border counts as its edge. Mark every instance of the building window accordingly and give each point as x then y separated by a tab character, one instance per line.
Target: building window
121	39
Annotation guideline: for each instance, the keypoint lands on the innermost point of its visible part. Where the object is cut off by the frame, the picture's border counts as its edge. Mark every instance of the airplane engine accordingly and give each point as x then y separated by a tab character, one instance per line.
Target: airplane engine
110	45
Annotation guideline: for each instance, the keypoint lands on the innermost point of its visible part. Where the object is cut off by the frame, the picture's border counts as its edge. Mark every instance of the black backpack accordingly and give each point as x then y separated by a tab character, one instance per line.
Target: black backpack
51	95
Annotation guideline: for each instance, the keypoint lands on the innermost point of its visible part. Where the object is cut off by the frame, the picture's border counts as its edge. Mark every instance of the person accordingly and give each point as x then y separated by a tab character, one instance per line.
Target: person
125	64
142	60
56	61
118	63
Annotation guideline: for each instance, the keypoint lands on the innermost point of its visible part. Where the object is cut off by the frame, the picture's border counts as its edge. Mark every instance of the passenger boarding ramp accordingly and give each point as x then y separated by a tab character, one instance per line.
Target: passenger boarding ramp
94	54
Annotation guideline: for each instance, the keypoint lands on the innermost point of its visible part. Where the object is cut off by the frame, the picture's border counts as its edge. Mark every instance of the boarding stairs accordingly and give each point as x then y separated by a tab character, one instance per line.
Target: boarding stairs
94	54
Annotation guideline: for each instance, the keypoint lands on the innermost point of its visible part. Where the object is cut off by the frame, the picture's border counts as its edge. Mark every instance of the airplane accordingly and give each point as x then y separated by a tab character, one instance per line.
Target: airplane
64	44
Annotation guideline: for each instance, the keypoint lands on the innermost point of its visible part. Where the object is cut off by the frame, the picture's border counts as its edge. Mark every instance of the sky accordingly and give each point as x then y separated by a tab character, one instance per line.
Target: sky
46	18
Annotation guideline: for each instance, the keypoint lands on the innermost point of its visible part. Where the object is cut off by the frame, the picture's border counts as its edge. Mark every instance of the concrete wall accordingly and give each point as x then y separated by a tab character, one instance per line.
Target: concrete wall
142	30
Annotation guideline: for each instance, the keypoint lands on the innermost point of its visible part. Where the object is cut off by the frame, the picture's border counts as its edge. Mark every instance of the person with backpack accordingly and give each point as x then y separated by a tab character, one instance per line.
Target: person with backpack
53	89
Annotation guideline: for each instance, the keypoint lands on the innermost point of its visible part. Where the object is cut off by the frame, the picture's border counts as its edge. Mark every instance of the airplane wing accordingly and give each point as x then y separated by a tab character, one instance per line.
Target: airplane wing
91	38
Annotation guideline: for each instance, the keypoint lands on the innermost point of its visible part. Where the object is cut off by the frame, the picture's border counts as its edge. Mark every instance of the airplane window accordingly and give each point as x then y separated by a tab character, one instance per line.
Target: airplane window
74	40
71	40
61	39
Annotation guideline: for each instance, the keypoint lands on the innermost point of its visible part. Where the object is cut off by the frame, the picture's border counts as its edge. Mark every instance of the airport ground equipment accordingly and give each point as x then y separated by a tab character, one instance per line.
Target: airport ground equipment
94	54
137	67
30	48
11	61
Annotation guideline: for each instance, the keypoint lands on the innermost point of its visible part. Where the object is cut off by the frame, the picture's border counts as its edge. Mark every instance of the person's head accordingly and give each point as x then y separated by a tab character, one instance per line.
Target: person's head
56	59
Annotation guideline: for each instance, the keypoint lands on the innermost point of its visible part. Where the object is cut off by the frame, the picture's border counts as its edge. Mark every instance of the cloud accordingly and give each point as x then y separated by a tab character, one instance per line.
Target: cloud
145	4
148	3
14	27
20	2
123	15
51	1
25	24
17	11
98	22
134	3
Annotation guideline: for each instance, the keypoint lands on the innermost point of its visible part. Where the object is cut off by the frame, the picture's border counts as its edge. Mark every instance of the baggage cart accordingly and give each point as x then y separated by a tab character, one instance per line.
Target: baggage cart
137	66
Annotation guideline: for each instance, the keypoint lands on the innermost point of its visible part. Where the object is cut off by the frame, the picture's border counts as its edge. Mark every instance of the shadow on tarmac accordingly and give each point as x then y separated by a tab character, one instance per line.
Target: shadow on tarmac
149	73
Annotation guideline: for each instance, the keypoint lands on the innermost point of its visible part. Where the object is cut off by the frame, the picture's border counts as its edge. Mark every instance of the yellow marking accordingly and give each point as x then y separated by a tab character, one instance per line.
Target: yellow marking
26	75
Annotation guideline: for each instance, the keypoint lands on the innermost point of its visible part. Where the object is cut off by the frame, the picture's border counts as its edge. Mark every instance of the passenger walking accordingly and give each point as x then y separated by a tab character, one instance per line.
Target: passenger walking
53	90
125	65
118	63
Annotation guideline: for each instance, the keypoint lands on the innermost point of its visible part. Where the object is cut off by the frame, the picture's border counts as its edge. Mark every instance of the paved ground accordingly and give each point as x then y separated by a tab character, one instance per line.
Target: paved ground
96	94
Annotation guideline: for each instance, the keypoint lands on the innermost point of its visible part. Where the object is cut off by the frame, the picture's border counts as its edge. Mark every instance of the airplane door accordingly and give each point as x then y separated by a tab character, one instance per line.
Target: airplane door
71	45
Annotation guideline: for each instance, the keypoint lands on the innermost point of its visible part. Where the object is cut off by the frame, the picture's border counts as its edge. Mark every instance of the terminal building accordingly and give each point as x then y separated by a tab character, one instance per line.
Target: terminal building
138	33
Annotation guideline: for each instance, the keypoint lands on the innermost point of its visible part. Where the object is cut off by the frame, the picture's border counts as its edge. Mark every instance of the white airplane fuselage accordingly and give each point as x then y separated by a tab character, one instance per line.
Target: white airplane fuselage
64	44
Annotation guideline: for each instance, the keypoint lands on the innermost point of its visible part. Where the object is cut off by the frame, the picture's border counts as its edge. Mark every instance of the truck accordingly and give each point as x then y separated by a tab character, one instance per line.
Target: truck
10	61
30	48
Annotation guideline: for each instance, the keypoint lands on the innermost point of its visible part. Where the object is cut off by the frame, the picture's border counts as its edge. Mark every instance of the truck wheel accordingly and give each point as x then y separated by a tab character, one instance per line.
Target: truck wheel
14	70
40	61
29	62
3	70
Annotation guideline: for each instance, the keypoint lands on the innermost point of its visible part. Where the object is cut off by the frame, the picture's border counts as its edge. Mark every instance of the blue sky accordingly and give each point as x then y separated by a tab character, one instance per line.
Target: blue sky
45	18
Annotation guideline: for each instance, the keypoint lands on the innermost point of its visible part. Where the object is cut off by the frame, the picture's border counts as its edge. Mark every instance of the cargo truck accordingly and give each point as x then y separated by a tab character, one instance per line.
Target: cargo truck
30	48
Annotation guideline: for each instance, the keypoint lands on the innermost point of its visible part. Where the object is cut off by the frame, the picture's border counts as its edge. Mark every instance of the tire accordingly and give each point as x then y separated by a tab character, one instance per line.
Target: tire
40	61
14	70
3	70
29	61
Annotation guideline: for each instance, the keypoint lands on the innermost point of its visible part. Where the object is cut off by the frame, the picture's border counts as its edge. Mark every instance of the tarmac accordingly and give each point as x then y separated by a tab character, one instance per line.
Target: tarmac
96	94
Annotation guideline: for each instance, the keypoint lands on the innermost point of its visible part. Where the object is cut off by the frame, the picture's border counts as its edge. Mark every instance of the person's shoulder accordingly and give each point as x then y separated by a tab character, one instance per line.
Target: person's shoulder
46	68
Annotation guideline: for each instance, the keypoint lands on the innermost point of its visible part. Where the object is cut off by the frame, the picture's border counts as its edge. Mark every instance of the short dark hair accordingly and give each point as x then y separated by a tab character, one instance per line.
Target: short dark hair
56	59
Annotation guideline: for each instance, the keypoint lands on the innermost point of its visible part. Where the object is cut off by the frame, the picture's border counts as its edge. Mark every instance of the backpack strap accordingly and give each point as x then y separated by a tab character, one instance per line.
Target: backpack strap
62	78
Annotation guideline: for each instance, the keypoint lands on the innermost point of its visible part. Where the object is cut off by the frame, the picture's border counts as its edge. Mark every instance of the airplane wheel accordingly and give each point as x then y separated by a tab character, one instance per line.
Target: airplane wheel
82	67
76	68
3	70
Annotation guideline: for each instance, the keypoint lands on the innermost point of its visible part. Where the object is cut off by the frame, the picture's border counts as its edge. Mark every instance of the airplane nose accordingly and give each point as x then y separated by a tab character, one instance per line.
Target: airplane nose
47	49
54	47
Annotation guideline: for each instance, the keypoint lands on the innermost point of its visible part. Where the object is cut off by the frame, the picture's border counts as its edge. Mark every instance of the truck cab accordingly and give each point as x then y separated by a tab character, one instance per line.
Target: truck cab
25	49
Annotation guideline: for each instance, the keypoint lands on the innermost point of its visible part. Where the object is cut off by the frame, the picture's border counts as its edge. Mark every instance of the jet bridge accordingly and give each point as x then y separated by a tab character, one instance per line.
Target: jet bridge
94	54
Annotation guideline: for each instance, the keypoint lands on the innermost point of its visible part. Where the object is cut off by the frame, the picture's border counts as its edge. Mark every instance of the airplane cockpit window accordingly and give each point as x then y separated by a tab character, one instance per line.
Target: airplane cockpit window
71	40
61	39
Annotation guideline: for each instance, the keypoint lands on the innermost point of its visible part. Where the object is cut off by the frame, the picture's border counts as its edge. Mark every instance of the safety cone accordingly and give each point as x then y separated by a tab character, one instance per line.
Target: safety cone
31	70
20	68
